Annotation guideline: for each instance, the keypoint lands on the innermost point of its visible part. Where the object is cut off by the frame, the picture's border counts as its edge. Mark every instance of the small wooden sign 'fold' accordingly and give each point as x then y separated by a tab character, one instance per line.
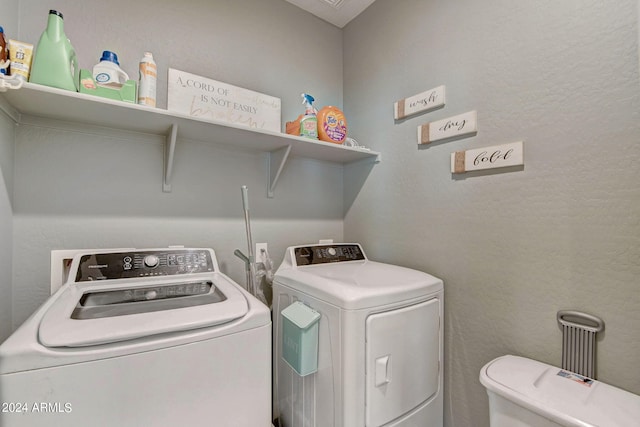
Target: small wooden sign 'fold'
496	156
462	124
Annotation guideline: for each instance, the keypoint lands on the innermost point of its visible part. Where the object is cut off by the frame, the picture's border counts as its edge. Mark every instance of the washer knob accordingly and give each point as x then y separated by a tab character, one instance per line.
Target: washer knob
332	251
151	261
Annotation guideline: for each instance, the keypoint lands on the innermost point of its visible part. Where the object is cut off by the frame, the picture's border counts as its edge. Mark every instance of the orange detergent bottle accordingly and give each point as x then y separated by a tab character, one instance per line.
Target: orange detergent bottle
332	125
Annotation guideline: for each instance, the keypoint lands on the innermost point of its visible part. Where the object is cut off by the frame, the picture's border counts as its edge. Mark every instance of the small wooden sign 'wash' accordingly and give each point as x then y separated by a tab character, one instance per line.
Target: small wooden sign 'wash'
462	124
427	100
497	156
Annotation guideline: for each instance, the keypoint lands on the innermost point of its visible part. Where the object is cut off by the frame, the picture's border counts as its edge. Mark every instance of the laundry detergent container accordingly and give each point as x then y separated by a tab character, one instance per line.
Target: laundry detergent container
526	393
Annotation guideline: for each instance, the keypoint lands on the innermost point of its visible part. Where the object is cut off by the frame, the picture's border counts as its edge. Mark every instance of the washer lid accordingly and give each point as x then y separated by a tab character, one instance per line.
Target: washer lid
359	284
101	313
560	395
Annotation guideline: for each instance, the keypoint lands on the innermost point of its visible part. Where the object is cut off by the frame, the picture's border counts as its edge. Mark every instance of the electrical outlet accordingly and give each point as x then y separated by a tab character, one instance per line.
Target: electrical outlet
259	256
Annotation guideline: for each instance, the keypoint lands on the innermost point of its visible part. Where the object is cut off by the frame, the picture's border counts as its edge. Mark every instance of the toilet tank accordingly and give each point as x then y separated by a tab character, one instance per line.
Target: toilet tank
526	393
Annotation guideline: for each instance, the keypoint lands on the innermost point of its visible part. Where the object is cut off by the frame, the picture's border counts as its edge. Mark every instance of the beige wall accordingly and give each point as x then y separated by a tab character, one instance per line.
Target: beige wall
512	247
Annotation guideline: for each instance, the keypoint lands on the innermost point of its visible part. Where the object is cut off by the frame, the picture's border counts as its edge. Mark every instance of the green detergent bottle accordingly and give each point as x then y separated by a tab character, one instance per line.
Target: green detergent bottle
55	62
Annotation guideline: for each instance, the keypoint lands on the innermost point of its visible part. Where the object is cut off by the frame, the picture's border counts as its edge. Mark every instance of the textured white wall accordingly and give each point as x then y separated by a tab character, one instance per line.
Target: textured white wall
76	188
512	247
9	23
6	223
269	46
80	187
9	20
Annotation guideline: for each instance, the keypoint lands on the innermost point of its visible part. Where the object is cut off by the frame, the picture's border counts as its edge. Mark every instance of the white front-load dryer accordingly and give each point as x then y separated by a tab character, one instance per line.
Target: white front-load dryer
380	341
156	337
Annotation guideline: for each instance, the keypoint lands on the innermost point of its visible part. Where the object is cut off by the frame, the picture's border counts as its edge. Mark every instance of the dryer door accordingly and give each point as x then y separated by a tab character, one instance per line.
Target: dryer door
402	353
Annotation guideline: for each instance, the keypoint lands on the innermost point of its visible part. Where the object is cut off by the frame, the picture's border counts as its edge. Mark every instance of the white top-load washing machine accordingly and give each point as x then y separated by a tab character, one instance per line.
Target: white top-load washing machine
380	341
156	337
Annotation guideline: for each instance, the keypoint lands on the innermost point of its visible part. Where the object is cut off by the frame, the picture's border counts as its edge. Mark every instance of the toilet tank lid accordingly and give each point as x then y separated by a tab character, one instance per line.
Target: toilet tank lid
560	395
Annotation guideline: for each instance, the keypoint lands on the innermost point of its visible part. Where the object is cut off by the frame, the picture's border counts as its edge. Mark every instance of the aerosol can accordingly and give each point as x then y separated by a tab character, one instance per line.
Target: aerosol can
148	79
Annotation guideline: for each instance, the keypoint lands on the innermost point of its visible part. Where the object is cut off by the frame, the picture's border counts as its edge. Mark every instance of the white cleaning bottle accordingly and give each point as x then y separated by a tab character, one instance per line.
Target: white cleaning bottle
309	122
108	71
148	78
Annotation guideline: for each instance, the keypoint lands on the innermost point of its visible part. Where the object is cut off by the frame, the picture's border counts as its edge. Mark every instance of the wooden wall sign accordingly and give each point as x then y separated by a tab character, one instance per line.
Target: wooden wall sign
204	98
497	156
448	128
424	101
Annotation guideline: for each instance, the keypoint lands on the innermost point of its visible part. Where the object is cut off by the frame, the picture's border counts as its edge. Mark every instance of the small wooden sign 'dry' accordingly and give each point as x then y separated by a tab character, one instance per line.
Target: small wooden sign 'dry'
427	100
462	124
496	156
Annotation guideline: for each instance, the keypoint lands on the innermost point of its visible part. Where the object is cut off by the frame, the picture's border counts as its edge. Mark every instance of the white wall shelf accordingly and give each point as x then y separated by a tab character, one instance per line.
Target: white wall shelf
58	104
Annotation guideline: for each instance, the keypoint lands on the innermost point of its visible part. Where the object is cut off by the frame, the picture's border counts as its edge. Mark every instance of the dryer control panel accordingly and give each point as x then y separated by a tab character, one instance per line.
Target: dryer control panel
145	263
323	254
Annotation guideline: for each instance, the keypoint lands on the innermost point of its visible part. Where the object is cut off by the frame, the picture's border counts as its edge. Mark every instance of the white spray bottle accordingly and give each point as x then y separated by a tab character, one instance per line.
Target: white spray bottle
309	122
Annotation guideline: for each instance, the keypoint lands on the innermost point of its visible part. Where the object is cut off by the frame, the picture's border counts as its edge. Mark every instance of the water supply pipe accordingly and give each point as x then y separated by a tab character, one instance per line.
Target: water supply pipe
251	273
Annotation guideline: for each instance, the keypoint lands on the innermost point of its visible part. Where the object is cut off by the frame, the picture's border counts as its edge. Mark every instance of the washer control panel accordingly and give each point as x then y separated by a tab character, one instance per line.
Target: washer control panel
323	254
144	263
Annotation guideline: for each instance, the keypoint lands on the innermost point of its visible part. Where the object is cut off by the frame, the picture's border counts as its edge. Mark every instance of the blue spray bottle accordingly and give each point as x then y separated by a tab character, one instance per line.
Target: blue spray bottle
309	122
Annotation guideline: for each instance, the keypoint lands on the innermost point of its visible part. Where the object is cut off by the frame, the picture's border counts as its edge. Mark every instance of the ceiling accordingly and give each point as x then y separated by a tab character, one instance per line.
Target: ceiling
337	12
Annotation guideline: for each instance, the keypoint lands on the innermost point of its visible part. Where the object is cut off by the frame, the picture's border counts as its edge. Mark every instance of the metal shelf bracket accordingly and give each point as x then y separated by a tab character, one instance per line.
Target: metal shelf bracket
276	160
169	151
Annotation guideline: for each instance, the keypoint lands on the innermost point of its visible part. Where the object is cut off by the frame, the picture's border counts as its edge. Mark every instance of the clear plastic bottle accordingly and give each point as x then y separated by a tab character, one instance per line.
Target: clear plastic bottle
309	122
148	78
